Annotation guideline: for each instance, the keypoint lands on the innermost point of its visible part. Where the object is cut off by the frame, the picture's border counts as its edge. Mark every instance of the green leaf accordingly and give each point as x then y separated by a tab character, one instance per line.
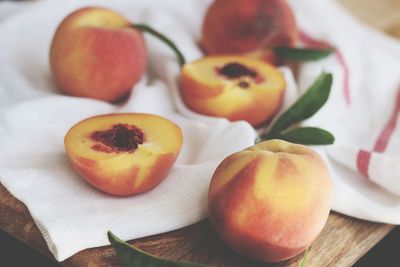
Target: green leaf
162	37
307	136
303	262
130	256
302	54
306	106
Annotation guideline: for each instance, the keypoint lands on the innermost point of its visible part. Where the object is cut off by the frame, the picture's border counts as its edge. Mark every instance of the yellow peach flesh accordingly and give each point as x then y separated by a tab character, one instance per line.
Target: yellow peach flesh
162	141
206	91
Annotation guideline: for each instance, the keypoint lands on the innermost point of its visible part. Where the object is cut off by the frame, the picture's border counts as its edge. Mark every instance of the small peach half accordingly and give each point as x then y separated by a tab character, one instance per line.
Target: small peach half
123	154
233	87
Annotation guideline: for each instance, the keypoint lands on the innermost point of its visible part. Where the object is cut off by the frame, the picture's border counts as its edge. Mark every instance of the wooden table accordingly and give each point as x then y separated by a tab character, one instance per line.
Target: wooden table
341	243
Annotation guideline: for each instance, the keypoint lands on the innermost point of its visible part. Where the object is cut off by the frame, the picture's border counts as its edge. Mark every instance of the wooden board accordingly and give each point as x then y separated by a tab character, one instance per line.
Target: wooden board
381	14
341	243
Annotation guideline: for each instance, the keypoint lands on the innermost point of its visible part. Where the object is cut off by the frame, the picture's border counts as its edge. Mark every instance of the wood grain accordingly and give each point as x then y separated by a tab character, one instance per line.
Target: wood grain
382	14
341	243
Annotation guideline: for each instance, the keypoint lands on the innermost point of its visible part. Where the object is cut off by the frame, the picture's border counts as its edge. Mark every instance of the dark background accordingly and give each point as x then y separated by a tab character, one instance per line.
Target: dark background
14	253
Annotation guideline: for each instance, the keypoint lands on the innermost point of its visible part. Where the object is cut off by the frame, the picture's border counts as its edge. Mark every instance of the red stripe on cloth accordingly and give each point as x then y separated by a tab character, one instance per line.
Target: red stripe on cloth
363	157
310	41
383	139
346	76
314	43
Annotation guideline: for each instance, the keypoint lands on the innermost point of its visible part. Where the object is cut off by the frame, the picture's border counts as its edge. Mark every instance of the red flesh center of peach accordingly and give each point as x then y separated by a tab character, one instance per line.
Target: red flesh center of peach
243	84
235	70
120	137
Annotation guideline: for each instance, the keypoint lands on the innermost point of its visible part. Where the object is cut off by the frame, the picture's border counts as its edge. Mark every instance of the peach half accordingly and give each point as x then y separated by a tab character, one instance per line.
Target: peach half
270	201
233	87
123	154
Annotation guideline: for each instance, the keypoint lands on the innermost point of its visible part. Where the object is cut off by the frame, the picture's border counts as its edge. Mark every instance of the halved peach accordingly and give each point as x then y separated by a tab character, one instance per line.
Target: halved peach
233	87
123	154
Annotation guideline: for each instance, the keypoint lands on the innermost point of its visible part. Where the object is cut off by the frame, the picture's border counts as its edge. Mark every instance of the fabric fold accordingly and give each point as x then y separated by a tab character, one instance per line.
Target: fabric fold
362	112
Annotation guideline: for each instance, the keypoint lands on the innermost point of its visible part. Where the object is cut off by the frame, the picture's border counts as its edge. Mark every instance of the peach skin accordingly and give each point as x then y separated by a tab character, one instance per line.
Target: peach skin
270	201
242	26
233	87
95	54
123	154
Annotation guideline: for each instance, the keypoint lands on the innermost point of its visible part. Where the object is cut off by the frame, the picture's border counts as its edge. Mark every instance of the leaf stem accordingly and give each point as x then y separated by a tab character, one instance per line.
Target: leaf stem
306	106
285	126
303	262
162	37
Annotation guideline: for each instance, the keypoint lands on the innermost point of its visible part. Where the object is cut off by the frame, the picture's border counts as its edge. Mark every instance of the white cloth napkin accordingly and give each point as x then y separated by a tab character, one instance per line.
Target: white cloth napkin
362	111
73	216
34	118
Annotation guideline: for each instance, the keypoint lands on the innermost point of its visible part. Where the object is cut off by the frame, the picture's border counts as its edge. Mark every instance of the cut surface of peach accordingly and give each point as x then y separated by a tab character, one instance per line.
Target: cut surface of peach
234	87
123	154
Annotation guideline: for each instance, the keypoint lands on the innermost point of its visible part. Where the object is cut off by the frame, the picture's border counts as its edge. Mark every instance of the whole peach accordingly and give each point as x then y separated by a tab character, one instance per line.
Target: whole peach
248	26
269	202
94	53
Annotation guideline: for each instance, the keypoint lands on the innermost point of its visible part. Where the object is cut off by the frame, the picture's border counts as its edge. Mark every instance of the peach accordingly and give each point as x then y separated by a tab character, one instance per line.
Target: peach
233	87
95	53
123	154
242	26
270	201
